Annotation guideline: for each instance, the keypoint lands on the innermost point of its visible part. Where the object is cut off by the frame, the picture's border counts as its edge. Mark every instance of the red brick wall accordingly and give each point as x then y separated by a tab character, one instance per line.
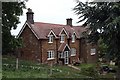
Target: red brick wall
45	48
91	58
85	55
76	46
31	45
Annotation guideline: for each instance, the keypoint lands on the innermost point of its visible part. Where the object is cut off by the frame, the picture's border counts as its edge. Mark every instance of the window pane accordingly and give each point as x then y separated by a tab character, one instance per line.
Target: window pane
73	51
73	38
62	38
93	51
51	38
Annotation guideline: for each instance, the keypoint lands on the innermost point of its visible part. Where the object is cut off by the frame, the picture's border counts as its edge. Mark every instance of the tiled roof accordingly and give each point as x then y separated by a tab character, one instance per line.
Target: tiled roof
62	47
42	29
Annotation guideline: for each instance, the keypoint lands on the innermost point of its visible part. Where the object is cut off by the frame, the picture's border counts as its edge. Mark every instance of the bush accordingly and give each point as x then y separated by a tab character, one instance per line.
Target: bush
90	71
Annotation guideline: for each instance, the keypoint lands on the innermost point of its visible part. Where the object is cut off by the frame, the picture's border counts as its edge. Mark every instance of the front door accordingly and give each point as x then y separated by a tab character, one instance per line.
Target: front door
66	57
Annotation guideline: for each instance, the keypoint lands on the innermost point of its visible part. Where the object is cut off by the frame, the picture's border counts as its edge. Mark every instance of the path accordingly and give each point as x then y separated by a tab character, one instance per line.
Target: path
74	67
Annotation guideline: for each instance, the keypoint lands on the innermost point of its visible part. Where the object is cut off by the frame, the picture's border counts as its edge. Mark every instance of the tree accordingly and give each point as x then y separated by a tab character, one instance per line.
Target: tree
103	19
102	49
10	18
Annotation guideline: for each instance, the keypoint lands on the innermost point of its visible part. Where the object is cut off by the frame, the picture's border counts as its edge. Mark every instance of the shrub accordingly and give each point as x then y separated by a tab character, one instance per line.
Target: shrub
90	71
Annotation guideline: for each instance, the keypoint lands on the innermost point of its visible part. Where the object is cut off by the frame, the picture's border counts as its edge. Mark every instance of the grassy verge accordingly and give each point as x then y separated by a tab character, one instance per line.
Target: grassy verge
29	69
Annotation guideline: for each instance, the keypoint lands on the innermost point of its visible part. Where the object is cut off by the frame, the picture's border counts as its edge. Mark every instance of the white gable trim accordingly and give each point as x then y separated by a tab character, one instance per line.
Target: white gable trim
66	46
51	31
75	34
29	28
63	29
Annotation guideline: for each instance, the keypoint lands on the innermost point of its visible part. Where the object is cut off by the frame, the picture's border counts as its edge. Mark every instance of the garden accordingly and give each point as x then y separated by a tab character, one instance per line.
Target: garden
29	69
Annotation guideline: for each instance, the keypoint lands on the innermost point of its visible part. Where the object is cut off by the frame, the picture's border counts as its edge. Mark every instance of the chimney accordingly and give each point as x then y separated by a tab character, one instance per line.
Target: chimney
69	21
30	16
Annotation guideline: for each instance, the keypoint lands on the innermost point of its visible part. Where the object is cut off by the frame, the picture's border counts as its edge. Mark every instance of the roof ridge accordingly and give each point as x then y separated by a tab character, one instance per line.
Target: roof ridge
52	23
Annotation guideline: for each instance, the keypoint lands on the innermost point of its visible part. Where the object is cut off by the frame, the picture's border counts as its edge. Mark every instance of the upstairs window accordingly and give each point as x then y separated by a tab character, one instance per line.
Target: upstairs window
50	38
93	51
62	38
73	51
50	54
73	38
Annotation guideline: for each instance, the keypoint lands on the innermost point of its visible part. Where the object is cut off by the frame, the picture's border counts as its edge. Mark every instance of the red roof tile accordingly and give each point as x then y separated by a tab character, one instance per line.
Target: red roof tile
43	29
62	47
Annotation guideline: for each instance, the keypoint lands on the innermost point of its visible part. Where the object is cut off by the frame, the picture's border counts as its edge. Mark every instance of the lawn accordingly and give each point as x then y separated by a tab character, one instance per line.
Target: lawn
29	69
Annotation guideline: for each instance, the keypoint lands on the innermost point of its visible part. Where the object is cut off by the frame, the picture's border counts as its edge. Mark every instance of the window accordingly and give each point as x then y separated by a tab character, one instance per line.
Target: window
93	51
61	55
50	39
73	51
62	38
73	38
50	55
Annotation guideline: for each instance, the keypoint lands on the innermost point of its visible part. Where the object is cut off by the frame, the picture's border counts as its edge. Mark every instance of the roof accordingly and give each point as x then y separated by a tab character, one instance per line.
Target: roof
41	30
62	47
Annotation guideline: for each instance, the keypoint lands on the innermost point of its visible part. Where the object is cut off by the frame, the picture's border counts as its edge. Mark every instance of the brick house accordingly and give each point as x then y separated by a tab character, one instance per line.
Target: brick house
54	43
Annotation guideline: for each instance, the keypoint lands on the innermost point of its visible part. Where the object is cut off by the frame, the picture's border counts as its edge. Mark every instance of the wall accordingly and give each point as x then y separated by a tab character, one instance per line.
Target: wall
76	46
31	46
45	48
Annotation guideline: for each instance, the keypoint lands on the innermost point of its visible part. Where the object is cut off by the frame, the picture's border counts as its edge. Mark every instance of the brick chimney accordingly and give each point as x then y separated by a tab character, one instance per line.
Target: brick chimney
69	21
30	16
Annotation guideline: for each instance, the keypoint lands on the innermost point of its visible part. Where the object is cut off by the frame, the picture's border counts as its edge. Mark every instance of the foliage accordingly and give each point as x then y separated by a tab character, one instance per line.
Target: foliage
102	48
103	21
90	71
10	18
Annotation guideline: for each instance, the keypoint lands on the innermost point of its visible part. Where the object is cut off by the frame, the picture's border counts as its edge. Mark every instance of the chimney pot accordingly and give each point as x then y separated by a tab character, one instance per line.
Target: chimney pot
69	21
30	16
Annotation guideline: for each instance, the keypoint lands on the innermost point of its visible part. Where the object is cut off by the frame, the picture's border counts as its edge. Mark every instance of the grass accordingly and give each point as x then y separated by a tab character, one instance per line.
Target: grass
28	69
93	69
84	65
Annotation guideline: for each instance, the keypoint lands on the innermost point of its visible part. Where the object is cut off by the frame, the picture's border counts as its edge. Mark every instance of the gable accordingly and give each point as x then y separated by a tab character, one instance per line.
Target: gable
52	32
74	33
64	31
28	36
63	47
24	27
66	48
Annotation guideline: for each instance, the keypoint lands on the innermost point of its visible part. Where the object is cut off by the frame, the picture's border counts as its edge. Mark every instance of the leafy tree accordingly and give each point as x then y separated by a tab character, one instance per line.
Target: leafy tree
10	18
102	48
103	19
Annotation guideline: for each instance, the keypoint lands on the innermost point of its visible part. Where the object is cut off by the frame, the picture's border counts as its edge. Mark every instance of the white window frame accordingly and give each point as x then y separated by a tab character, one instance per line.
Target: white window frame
73	38
73	52
61	55
93	51
50	39
62	38
50	55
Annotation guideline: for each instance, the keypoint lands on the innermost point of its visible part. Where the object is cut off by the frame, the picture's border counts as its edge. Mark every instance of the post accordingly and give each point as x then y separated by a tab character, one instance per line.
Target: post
17	63
51	68
17	58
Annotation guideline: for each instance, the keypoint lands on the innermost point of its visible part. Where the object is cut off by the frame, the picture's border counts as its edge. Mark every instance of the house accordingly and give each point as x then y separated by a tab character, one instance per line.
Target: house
54	43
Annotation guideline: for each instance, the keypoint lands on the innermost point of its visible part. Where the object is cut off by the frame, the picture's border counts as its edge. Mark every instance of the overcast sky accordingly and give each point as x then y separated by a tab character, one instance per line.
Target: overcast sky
50	11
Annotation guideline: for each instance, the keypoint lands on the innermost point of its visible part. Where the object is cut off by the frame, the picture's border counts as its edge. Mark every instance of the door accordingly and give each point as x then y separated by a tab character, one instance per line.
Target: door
66	57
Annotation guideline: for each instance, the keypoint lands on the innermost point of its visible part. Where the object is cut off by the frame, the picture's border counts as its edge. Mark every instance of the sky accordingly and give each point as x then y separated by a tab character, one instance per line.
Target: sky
49	11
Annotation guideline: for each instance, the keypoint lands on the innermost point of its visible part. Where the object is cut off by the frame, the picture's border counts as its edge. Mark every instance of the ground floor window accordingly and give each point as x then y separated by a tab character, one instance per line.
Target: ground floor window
73	51
93	51
50	54
61	55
